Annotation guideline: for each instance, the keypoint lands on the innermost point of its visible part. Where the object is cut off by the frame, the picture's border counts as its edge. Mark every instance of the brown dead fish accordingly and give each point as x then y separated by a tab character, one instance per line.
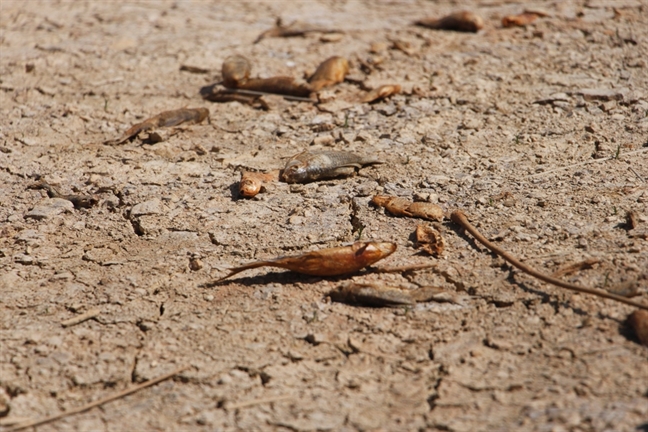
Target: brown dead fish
639	322
283	85
331	71
460	21
236	71
404	207
78	201
520	20
164	119
381	92
315	165
375	295
327	262
254	182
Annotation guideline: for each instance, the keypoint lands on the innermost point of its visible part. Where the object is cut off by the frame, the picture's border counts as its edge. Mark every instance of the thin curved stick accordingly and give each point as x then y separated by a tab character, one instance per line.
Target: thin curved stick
460	219
121	394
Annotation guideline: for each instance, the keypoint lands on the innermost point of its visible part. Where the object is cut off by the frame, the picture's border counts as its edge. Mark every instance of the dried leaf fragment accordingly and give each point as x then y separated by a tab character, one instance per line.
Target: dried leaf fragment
430	240
404	207
376	295
327	262
639	322
381	92
254	182
520	20
460	21
331	71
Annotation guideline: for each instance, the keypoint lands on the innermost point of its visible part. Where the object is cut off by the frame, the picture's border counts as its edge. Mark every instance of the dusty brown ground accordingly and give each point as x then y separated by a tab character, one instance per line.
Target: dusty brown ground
479	126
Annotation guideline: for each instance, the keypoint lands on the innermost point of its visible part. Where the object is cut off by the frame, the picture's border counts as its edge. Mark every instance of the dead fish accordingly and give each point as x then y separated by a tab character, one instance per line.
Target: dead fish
283	85
254	182
520	20
404	207
236	71
430	240
460	21
78	201
164	119
381	92
639	322
315	165
426	210
331	71
327	262
383	296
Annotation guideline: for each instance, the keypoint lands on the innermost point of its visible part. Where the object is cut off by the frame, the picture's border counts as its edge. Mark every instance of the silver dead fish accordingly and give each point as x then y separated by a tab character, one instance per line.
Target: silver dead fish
315	165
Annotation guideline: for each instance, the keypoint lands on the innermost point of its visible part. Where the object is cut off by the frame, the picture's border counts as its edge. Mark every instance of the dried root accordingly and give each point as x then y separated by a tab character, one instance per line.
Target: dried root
460	219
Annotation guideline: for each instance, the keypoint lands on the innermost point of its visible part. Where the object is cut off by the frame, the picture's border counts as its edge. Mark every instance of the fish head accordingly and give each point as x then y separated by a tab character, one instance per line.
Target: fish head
249	188
370	252
203	113
295	172
235	71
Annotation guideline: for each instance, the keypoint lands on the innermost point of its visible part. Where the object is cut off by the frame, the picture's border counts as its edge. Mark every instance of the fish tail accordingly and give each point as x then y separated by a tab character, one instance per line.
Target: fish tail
236	270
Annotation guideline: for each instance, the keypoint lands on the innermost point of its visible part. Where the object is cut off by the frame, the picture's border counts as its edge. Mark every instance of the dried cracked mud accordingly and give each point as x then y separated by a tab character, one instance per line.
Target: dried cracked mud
539	134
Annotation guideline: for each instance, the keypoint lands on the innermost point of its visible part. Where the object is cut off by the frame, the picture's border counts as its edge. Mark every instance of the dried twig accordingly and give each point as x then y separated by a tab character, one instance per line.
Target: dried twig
121	394
233	406
403	269
260	93
460	219
589	162
80	318
574	267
